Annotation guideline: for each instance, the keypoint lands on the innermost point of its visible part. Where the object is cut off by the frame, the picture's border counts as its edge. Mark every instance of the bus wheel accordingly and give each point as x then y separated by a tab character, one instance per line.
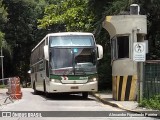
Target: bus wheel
85	95
45	92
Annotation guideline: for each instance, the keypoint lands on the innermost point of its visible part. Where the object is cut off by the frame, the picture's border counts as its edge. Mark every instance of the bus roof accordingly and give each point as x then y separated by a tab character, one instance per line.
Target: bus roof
69	33
62	34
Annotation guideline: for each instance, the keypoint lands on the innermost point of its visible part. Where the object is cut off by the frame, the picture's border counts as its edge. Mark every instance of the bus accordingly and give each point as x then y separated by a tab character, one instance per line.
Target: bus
65	62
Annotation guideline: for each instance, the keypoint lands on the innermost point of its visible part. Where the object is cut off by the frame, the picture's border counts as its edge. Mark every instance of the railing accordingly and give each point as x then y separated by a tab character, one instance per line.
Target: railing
151	84
4	81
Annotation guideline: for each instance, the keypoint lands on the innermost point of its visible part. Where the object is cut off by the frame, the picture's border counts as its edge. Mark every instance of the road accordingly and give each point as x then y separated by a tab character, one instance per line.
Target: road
59	105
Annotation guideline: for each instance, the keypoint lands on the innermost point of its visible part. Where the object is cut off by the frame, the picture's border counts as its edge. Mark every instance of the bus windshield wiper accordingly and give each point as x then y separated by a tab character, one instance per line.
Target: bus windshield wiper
67	71
80	70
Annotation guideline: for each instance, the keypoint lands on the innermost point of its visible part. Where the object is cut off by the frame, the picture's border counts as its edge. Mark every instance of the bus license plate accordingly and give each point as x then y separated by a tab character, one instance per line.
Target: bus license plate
74	87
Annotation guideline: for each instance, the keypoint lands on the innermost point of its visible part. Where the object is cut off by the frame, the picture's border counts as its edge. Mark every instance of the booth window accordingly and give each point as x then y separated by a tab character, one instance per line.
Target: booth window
123	46
120	47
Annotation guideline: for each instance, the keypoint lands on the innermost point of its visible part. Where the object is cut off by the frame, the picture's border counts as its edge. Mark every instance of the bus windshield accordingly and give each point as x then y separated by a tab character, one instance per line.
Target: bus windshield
74	40
72	61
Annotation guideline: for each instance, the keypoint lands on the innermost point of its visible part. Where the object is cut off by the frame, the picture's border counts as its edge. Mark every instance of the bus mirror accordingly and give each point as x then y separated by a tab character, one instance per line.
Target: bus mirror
100	52
46	52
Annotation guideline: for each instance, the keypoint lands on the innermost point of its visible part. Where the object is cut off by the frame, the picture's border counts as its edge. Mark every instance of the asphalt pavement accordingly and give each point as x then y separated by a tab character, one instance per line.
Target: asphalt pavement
4	98
104	97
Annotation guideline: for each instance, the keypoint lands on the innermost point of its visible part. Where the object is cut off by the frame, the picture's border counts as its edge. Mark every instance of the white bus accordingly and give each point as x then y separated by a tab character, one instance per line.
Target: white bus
65	62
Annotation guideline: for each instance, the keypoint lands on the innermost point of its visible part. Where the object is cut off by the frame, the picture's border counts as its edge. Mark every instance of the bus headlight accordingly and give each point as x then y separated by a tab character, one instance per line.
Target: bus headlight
92	79
55	80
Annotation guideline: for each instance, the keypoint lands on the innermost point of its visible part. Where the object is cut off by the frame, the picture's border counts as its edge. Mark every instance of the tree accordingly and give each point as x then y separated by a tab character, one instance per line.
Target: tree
69	15
3	19
3	44
151	8
21	32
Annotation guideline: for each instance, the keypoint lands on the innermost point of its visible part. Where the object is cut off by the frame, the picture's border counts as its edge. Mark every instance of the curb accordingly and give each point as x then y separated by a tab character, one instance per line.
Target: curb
113	104
117	105
109	103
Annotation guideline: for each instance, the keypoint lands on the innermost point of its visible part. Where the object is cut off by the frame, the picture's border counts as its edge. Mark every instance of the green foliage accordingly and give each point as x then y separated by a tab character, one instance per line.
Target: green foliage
1	38
72	14
2	86
152	9
21	32
3	19
153	103
104	65
3	13
118	6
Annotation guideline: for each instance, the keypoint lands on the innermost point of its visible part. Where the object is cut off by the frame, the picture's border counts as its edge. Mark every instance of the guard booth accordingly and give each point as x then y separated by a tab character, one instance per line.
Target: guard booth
124	31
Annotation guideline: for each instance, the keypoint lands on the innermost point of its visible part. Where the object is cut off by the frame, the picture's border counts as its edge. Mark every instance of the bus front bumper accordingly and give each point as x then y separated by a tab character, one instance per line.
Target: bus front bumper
59	87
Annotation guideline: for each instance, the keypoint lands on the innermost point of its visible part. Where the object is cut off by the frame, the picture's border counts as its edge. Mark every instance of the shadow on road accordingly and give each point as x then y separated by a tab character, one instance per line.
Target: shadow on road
64	96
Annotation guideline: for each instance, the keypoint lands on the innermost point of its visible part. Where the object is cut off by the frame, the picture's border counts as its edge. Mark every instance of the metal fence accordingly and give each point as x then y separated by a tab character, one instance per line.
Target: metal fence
151	84
4	81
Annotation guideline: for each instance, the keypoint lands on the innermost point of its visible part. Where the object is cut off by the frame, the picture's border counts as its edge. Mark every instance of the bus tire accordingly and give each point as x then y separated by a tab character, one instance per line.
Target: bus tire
45	92
34	88
85	95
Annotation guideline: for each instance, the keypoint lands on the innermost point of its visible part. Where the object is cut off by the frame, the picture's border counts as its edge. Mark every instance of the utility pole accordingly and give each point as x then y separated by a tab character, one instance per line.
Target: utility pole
2	65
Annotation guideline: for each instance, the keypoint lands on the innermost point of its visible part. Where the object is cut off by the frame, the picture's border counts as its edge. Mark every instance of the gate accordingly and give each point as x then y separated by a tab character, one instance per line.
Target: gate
151	83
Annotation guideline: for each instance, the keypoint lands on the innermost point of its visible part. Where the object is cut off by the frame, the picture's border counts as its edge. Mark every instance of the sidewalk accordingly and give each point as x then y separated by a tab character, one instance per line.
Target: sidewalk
132	106
4	98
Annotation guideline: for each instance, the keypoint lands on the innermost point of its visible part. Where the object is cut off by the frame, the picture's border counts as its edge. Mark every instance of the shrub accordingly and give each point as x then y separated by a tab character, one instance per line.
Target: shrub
152	103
